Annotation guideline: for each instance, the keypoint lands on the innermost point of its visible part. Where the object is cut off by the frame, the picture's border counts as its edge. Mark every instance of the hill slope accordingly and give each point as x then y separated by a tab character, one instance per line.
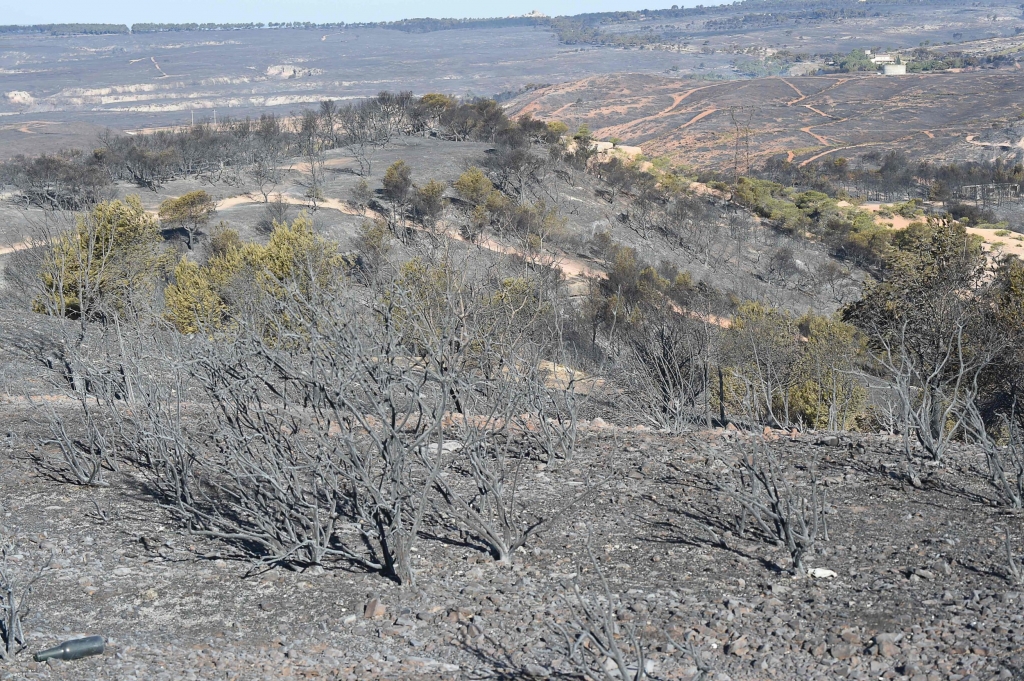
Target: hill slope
800	118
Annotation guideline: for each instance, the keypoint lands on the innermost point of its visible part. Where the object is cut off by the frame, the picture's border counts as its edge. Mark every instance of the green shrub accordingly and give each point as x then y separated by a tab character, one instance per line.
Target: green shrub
294	259
113	254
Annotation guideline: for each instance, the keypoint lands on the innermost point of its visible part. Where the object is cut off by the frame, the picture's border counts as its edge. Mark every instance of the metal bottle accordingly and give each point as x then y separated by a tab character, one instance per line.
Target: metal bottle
73	649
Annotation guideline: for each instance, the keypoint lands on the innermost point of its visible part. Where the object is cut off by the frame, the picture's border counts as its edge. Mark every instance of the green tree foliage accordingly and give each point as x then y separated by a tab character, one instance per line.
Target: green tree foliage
787	371
113	255
428	201
473	186
1007	297
396	184
191	212
193	301
432	107
855	60
224	240
397	181
929	324
763	349
827	393
373	243
432	300
848	231
556	130
295	260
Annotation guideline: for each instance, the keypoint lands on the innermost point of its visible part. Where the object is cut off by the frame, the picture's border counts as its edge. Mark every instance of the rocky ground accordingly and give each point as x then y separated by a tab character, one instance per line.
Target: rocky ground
921	588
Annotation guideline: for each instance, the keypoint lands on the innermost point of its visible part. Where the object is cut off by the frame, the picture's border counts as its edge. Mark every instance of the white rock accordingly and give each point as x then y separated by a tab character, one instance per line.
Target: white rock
821	573
446	447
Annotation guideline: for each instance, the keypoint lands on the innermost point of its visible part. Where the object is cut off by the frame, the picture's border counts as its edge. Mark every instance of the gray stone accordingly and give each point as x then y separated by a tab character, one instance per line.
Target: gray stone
738	647
536	671
374	609
887	649
893	637
844	651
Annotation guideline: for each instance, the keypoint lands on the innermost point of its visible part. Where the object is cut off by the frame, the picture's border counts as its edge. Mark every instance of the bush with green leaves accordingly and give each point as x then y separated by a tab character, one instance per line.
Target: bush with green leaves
114	254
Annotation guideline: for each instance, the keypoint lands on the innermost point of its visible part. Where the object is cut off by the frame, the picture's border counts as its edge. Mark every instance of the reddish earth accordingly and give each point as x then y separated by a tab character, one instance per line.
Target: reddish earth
925	115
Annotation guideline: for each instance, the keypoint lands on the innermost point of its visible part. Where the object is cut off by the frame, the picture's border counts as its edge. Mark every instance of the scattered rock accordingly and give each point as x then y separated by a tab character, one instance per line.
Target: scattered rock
535	671
885	644
844	651
738	647
821	573
374	609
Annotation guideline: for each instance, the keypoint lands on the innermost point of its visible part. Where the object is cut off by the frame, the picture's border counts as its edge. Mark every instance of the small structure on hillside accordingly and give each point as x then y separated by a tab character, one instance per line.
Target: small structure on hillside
986	194
894	69
883	59
621	150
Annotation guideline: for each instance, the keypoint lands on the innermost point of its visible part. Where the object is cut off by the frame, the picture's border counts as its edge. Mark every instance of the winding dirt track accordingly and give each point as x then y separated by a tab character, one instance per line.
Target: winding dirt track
822	140
799	99
571	267
4	250
244	199
622	129
696	118
832	151
818	111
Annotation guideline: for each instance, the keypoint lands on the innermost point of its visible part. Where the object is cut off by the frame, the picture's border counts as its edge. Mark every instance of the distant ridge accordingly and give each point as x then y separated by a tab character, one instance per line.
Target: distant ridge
69	29
573	29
